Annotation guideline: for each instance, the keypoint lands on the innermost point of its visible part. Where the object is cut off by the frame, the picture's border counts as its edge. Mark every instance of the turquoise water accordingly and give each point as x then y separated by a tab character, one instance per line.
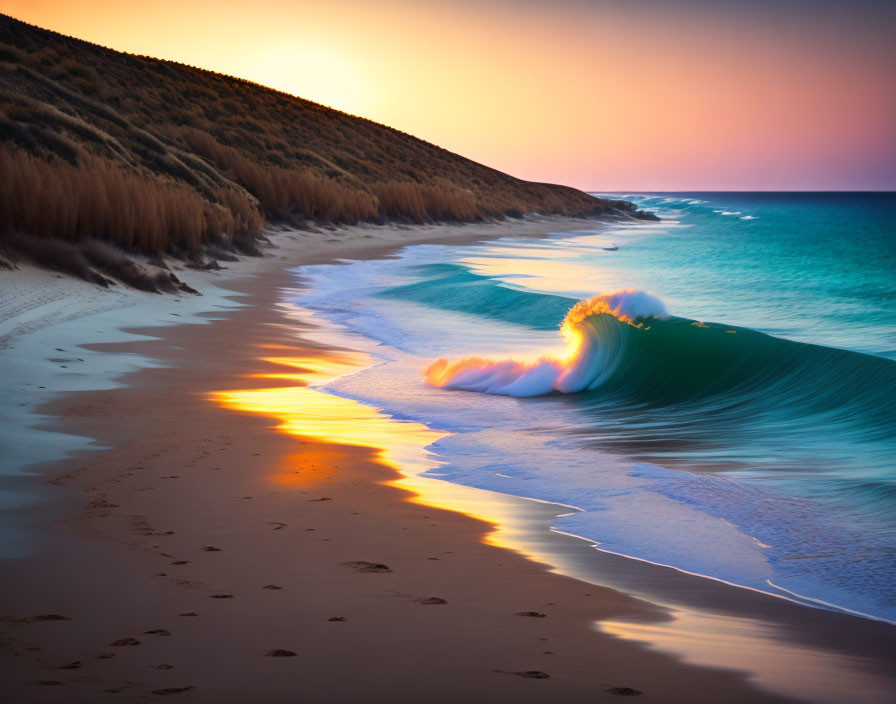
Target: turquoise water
734	415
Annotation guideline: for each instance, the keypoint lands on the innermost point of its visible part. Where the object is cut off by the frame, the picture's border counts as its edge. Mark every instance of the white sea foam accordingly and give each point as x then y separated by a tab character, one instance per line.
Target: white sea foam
592	352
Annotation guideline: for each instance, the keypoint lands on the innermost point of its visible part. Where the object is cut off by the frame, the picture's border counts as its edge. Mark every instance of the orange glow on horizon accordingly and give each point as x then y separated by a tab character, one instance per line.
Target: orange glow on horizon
601	95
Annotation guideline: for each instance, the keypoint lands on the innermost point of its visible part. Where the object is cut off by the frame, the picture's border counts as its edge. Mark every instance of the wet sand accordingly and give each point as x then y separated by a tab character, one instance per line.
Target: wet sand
207	556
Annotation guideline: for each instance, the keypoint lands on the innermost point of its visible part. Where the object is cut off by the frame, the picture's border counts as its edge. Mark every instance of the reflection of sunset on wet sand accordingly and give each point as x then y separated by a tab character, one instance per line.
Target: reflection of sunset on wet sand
303	411
720	640
329	423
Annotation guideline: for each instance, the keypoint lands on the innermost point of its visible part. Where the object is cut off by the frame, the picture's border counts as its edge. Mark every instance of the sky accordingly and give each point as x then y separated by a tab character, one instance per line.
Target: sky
604	95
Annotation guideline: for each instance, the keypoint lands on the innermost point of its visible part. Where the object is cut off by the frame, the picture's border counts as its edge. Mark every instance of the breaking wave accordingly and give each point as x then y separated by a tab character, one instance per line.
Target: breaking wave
625	345
593	347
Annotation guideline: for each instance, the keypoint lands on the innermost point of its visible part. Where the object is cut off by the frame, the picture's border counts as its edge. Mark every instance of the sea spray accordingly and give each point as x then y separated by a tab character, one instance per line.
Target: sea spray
589	358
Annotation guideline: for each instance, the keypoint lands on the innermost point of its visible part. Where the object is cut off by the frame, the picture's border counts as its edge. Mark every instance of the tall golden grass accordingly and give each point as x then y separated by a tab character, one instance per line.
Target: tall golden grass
285	193
52	198
424	203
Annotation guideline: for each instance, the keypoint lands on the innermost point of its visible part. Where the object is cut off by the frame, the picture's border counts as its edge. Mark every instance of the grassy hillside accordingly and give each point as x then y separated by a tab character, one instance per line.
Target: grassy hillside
160	158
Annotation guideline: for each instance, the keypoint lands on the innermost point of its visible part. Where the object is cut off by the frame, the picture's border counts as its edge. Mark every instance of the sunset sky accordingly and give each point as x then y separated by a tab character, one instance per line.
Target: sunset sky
602	95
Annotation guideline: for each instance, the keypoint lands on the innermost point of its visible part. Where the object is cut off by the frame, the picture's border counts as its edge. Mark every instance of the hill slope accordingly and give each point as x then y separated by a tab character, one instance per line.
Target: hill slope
158	157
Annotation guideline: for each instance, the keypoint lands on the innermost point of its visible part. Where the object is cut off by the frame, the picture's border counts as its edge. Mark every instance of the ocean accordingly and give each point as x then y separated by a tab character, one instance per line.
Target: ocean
714	392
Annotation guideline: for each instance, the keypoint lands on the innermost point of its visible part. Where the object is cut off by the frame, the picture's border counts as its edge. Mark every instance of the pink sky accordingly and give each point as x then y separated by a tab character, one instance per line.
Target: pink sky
603	95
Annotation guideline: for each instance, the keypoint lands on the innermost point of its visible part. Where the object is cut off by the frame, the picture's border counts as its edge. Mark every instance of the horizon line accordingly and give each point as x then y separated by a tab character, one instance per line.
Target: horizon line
745	190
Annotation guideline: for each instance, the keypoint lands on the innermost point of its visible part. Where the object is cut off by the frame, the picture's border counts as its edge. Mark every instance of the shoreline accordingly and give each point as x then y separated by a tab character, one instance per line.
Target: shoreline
109	537
45	307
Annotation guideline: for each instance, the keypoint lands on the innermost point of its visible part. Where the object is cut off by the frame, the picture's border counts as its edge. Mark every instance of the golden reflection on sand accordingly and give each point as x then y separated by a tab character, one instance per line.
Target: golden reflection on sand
748	645
305	412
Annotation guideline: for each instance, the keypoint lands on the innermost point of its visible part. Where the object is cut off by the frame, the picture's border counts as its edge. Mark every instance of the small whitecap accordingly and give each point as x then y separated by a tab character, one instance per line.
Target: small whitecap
748	217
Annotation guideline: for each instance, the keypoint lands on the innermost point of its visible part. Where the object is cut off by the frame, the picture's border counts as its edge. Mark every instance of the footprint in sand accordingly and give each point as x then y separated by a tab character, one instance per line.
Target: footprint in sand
534	674
125	641
625	691
172	690
364	566
45	617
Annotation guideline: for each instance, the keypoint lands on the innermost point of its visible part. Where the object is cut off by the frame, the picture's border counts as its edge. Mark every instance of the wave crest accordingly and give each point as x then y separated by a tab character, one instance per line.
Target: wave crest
627	305
595	345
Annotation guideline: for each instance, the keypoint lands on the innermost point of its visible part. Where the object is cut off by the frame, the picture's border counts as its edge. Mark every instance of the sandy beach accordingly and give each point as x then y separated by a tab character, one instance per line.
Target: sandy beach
198	551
